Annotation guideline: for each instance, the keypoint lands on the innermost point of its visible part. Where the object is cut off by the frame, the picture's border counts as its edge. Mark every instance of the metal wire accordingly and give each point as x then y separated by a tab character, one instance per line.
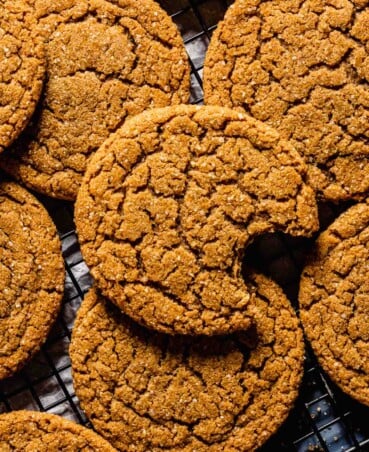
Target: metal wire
324	419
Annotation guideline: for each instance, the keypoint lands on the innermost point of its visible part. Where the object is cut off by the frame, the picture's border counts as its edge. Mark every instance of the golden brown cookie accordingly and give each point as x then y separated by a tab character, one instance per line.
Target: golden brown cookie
22	67
146	391
106	61
31	276
169	204
303	67
33	431
334	301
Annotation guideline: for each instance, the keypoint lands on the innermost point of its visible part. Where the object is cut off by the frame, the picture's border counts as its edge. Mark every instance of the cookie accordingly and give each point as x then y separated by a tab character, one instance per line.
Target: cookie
303	68
106	61
334	302
22	67
44	432
145	391
31	276
169	204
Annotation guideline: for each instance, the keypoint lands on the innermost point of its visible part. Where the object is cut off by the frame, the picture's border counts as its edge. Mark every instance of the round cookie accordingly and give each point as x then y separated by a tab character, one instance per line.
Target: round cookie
169	204
334	301
106	61
44	432
303	68
148	391
31	276
22	67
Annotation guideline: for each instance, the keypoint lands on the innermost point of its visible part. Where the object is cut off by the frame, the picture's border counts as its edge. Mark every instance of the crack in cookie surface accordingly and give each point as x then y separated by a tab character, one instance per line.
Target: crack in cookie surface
334	301
106	61
31	276
169	204
149	391
303	67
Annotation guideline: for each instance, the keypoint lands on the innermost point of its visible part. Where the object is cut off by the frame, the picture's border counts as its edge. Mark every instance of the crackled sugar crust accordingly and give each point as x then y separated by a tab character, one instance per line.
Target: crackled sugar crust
334	303
303	67
31	276
44	432
148	391
169	204
22	67
106	61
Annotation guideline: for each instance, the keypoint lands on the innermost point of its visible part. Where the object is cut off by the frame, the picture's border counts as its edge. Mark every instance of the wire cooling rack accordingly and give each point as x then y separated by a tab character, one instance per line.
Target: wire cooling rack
324	419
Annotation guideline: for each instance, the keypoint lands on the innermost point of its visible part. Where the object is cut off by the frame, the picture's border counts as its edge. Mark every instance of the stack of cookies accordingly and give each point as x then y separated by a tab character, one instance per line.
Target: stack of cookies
165	211
179	346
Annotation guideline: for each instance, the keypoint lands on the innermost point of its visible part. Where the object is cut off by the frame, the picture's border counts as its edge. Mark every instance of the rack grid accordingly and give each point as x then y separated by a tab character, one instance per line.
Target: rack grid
324	419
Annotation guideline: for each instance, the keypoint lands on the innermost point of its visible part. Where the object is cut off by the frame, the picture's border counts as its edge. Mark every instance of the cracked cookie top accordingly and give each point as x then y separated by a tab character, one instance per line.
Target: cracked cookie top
31	276
303	67
148	391
44	432
334	303
170	202
22	67
106	61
